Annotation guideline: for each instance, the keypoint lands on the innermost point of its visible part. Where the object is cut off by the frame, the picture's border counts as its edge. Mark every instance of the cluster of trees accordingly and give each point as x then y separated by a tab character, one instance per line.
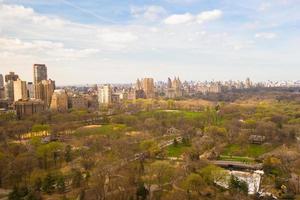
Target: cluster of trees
99	165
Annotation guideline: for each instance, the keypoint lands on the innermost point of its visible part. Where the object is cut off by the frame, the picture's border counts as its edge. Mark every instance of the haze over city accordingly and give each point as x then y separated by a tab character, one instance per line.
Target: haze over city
118	41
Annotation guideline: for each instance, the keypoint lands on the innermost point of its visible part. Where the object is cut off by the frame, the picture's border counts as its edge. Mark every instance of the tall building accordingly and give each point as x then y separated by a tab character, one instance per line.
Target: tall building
39	73
105	94
9	85
59	101
20	90
148	87
30	90
28	107
44	91
174	88
9	90
2	91
1	81
248	83
11	77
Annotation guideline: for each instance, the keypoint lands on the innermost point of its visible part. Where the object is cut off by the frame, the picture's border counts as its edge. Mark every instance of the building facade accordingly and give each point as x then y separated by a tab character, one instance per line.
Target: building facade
28	107
78	102
148	87
30	90
105	94
39	73
174	88
20	90
1	81
44	91
59	101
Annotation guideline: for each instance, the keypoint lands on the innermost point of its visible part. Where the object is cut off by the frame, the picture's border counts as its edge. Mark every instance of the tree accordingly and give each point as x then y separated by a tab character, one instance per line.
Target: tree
194	182
60	184
236	184
68	153
76	178
142	192
48	184
160	173
175	142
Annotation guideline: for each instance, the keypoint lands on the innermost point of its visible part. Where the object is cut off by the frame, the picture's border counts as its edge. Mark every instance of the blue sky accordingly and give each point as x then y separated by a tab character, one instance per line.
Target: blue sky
119	40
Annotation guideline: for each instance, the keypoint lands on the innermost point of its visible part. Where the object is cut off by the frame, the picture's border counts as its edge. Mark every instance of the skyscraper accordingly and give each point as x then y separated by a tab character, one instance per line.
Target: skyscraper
1	81
20	90
11	77
9	85
148	87
2	94
30	89
105	94
39	73
44	91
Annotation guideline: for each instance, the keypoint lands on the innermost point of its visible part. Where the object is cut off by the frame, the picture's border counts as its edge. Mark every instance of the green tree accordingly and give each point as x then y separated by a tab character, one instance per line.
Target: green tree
60	184
68	153
195	183
48	184
236	184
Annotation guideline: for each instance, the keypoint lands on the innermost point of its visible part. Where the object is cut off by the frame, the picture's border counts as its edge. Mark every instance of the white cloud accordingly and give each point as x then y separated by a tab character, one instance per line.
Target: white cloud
189	18
209	16
11	46
116	36
179	19
265	35
9	13
151	13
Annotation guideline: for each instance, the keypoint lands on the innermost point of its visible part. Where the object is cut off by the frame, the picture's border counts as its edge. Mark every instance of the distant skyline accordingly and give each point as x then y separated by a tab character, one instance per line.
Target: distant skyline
104	41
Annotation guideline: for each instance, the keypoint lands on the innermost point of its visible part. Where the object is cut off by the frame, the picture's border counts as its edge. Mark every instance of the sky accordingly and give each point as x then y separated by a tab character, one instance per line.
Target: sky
118	41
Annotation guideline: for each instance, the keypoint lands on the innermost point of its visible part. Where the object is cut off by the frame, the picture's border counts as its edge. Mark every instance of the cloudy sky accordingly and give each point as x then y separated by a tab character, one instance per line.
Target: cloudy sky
117	41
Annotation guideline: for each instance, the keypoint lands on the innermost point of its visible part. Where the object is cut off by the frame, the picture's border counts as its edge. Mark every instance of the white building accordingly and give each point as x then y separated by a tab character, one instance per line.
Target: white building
105	94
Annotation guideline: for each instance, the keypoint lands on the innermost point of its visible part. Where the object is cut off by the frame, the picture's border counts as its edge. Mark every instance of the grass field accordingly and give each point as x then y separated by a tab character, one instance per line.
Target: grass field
249	150
176	151
112	130
237	158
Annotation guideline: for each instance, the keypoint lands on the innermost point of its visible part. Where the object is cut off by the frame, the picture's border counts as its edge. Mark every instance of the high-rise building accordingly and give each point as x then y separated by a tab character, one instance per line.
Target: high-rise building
59	101
148	87
44	91
11	77
20	90
174	88
9	85
30	90
1	81
39	73
2	93
105	94
248	83
9	90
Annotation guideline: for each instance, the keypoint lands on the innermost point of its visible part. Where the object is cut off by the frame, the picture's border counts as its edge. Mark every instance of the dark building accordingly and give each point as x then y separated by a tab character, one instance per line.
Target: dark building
28	107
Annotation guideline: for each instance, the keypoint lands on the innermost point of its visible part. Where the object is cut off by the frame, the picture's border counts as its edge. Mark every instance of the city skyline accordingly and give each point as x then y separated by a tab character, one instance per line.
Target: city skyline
193	39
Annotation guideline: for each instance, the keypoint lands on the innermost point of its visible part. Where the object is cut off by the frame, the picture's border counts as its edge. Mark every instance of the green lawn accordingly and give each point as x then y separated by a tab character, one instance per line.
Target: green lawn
111	130
237	158
178	150
248	150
